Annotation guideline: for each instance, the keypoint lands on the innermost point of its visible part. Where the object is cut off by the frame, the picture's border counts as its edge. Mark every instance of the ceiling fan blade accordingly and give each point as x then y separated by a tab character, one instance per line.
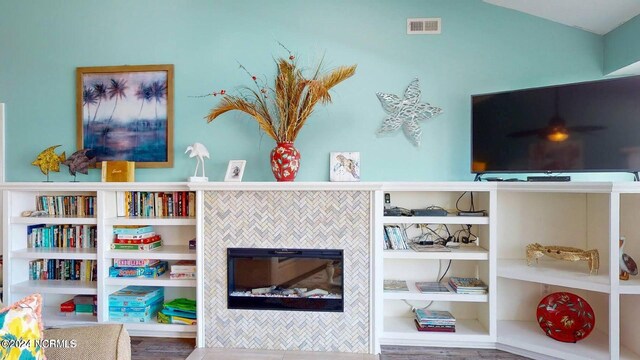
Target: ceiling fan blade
585	128
525	133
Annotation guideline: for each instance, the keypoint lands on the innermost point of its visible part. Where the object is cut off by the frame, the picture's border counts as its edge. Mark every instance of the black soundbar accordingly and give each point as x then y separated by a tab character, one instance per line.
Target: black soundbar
548	178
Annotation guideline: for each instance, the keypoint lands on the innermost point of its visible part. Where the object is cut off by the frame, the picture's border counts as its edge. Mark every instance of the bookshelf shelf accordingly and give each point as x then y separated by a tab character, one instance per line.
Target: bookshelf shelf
527	335
403	328
560	273
162	280
166	252
51	316
142	220
56	253
160	327
72	287
54	220
462	253
451	219
415	294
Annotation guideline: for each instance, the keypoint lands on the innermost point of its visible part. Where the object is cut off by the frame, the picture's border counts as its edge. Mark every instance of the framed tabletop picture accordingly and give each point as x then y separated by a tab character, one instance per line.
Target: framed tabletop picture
235	170
126	113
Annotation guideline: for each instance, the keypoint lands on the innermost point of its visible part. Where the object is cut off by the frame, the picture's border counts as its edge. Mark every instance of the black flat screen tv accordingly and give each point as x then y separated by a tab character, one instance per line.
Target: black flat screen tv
583	127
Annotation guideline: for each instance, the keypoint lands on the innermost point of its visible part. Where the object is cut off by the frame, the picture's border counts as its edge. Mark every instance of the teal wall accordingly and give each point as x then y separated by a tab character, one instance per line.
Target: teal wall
482	48
621	46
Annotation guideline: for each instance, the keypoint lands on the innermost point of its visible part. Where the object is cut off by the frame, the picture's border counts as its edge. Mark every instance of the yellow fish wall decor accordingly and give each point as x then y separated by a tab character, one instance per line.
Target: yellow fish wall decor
48	160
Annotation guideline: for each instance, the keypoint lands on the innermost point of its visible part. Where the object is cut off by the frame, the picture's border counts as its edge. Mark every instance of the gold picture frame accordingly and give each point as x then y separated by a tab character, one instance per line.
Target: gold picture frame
126	113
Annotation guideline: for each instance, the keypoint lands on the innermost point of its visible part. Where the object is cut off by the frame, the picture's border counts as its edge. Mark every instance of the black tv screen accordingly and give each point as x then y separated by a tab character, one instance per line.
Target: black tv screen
590	127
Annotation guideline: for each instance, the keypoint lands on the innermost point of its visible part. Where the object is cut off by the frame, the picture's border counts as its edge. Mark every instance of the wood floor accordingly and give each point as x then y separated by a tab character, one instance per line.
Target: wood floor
150	348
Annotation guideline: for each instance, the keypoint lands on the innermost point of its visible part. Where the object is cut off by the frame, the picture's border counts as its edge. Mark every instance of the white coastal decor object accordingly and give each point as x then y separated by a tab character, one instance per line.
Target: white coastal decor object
200	151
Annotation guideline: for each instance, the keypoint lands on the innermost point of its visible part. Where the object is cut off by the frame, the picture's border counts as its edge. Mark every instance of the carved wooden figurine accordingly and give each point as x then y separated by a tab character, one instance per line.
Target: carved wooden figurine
535	251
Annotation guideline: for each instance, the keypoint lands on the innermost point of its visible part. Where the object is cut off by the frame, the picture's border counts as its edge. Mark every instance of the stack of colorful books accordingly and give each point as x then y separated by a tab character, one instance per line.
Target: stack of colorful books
147	268
462	285
136	303
183	269
178	311
80	305
435	321
135	238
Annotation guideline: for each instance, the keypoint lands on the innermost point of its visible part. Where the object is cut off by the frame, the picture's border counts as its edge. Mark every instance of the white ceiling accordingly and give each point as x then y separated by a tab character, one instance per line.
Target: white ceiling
597	16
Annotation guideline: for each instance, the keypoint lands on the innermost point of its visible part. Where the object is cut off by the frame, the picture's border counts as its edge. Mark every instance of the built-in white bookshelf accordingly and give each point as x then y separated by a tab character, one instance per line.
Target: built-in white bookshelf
475	322
583	215
175	232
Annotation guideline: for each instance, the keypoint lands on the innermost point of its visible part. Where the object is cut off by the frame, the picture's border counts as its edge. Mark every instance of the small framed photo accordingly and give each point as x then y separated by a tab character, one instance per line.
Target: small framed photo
344	166
235	170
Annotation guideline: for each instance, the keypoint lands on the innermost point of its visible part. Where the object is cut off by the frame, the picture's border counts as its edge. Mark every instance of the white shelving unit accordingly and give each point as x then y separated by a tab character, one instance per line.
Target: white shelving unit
17	254
175	232
580	215
583	215
475	319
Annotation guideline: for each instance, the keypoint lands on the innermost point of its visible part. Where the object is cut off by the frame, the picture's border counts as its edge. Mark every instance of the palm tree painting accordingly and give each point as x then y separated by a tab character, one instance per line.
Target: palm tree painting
126	113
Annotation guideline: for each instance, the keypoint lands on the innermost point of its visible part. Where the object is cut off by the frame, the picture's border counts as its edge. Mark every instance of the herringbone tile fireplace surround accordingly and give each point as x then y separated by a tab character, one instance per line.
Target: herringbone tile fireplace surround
288	219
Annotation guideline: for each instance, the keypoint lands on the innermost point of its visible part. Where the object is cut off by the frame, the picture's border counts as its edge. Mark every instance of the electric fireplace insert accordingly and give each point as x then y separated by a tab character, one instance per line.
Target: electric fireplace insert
285	279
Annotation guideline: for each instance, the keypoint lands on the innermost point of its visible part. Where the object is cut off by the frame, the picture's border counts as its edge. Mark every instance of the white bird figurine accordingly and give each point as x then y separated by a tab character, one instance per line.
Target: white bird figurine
627	264
199	150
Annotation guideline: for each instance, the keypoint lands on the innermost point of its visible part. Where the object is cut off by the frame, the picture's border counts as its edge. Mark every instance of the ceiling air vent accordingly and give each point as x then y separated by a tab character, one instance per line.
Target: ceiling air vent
422	26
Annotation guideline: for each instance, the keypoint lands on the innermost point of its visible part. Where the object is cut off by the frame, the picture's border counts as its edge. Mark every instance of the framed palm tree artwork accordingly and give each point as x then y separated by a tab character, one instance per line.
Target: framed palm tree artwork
126	113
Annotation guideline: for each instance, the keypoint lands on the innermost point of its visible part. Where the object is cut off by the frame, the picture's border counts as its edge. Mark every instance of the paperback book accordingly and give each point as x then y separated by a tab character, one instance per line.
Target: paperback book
435	328
432	287
132	230
395	285
141	247
463	285
147	240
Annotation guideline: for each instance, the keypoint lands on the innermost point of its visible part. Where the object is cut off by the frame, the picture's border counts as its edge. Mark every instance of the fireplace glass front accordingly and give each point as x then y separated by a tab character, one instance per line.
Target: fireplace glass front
285	279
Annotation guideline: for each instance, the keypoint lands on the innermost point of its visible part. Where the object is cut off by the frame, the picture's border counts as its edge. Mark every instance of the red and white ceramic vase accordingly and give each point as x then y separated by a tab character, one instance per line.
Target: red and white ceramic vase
285	161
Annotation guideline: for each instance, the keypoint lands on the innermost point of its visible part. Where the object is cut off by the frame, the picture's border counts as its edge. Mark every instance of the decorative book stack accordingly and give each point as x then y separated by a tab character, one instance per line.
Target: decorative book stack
146	268
462	285
178	311
435	321
136	303
135	238
183	269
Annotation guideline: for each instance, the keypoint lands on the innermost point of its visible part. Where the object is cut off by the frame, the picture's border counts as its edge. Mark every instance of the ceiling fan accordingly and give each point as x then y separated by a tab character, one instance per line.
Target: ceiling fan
556	130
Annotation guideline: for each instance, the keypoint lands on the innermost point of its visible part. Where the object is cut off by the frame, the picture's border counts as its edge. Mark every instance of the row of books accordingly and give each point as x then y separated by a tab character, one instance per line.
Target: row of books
144	203
434	320
67	205
57	269
395	238
62	236
80	305
463	285
136	303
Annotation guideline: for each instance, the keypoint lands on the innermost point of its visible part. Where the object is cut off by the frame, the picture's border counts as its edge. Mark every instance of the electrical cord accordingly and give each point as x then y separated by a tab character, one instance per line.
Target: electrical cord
439	277
472	206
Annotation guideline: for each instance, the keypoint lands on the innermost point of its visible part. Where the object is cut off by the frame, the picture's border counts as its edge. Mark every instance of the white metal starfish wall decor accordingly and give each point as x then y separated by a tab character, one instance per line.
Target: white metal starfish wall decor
406	112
